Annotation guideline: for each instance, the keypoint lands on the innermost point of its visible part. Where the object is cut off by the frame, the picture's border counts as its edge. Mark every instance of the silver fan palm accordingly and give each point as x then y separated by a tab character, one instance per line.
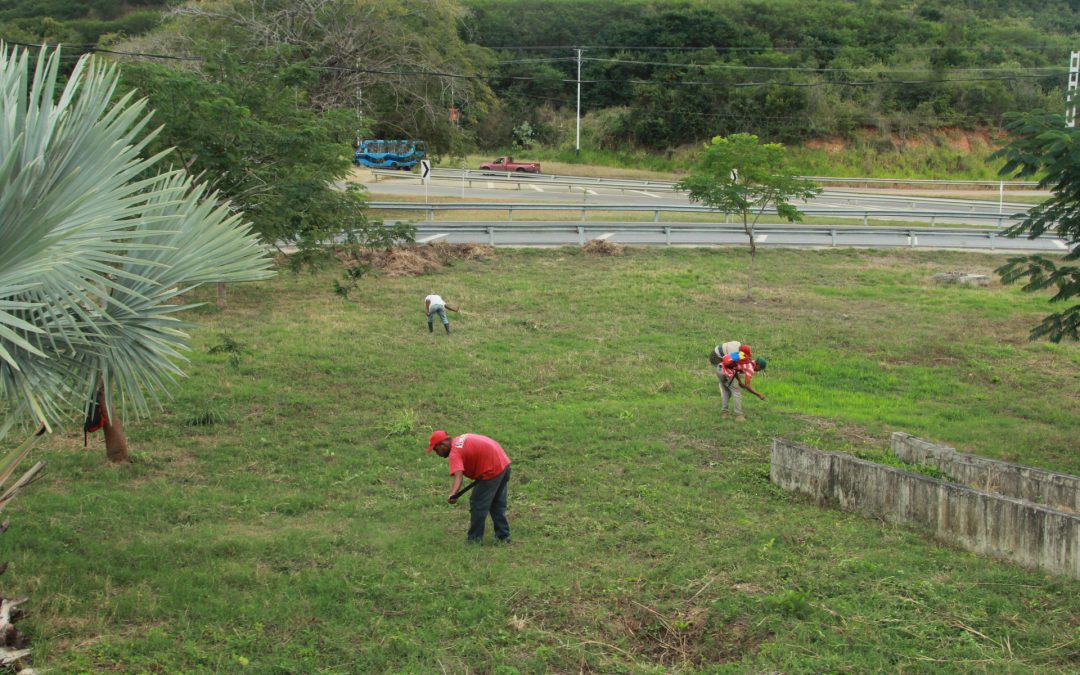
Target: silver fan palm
96	245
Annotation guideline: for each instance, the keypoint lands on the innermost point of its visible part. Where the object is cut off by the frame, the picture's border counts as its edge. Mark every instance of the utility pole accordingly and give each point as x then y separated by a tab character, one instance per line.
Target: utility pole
1070	94
577	141
359	113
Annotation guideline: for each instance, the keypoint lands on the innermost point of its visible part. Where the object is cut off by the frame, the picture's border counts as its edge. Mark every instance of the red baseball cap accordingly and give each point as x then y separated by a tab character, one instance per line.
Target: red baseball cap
437	437
746	348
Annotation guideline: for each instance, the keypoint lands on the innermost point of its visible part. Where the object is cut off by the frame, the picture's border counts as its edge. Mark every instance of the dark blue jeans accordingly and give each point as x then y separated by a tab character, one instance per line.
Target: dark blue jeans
489	497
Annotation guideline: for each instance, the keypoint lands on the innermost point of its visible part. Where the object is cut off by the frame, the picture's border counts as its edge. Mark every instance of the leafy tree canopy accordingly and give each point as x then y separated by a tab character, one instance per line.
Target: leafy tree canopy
1042	143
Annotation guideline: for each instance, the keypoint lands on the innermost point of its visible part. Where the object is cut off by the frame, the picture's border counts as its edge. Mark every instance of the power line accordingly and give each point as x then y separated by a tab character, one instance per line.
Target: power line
563	80
768	48
738	66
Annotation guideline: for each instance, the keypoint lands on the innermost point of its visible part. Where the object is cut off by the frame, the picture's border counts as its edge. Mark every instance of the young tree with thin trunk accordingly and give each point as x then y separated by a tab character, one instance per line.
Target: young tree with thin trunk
737	174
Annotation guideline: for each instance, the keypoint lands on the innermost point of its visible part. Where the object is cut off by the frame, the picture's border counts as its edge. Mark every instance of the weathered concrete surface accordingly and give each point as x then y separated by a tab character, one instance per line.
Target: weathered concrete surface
1056	490
1003	527
963	278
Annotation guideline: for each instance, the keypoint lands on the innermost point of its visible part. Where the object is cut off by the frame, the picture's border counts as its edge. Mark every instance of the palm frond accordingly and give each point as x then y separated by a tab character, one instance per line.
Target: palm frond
93	247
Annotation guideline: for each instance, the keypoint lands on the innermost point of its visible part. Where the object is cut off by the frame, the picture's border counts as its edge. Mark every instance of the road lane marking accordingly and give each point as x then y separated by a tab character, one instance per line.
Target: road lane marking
647	194
605	236
490	185
432	238
592	192
762	237
1061	244
537	188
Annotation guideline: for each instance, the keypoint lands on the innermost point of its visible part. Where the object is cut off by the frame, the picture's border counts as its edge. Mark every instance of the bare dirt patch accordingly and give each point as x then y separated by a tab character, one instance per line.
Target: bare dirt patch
688	636
832	146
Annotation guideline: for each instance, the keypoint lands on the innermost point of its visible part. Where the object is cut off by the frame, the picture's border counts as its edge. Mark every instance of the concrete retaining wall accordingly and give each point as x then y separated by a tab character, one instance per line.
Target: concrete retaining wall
1056	490
1016	530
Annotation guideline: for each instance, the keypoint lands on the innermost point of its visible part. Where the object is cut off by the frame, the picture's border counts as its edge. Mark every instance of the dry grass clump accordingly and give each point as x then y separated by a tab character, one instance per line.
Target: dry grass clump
413	260
602	247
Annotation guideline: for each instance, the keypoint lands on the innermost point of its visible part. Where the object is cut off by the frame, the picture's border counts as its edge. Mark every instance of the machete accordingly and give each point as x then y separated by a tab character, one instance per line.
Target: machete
464	490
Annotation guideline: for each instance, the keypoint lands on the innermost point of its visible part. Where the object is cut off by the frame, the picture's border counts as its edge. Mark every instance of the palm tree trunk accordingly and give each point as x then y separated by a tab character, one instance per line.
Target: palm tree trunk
116	446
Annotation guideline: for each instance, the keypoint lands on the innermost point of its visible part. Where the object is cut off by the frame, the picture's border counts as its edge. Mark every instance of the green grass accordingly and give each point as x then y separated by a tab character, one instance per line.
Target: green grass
301	527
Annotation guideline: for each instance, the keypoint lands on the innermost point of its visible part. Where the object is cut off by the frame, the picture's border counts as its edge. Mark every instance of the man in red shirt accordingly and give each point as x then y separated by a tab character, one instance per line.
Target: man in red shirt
484	461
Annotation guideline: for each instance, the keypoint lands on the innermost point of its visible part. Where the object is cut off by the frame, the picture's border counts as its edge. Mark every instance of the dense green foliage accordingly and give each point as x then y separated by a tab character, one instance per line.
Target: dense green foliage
657	74
785	70
251	133
282	513
76	22
1042	144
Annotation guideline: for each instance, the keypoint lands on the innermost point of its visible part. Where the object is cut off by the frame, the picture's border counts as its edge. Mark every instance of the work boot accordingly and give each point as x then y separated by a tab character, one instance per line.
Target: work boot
430	328
447	327
724	414
740	418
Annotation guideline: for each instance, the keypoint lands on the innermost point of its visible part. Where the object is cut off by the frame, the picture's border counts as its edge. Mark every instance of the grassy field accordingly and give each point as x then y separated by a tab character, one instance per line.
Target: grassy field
281	515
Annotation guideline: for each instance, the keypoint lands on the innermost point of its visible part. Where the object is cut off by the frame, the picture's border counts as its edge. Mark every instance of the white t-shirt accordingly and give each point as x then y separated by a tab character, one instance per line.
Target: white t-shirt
730	347
434	301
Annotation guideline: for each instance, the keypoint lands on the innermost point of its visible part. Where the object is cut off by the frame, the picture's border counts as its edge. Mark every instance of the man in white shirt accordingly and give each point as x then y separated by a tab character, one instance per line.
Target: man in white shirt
434	304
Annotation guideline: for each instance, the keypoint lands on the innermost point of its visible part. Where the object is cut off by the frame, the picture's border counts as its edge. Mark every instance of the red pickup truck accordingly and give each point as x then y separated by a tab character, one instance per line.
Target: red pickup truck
508	164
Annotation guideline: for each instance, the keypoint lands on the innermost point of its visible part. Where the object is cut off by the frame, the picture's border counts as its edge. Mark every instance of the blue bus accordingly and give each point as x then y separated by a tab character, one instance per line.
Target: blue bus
382	154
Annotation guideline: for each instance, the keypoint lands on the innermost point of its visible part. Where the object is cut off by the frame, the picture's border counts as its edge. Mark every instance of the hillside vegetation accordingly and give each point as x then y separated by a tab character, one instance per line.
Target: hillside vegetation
659	76
281	513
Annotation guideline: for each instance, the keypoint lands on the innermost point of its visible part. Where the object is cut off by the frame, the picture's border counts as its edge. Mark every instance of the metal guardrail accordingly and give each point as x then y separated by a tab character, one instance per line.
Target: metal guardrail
911	237
923	181
632	184
470	176
865	214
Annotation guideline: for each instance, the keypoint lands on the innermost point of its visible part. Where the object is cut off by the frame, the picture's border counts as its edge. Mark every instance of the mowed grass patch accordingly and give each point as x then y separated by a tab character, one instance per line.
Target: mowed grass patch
281	514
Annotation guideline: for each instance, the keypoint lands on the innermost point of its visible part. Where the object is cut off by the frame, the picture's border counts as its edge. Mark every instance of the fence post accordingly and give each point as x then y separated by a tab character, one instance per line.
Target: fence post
865	218
510	213
491	235
667	235
932	219
832	236
583	214
990	236
431	214
581	236
913	239
656	216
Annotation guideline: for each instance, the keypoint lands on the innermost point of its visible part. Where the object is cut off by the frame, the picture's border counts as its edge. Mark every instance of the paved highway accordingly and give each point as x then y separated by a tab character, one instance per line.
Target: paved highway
985	212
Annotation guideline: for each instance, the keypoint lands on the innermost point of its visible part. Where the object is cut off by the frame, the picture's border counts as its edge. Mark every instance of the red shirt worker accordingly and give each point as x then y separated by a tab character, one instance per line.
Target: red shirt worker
483	460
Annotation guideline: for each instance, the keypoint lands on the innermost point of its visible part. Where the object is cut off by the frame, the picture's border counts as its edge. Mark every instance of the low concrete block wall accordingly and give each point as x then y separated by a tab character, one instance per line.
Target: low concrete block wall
1013	529
1056	490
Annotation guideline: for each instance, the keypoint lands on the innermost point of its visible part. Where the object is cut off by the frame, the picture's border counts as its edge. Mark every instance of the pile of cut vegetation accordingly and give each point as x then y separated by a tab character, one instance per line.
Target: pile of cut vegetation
602	247
413	260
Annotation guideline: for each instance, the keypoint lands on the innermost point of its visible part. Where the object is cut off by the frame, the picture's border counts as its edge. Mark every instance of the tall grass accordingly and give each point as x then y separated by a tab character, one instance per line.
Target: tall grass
306	529
935	156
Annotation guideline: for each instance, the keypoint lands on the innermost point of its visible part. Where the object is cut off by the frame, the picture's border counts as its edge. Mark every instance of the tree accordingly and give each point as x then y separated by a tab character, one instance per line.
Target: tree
1042	142
249	131
737	174
96	249
401	64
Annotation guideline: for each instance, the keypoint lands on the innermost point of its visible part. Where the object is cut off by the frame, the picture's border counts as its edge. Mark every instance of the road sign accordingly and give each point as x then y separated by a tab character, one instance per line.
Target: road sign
425	169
